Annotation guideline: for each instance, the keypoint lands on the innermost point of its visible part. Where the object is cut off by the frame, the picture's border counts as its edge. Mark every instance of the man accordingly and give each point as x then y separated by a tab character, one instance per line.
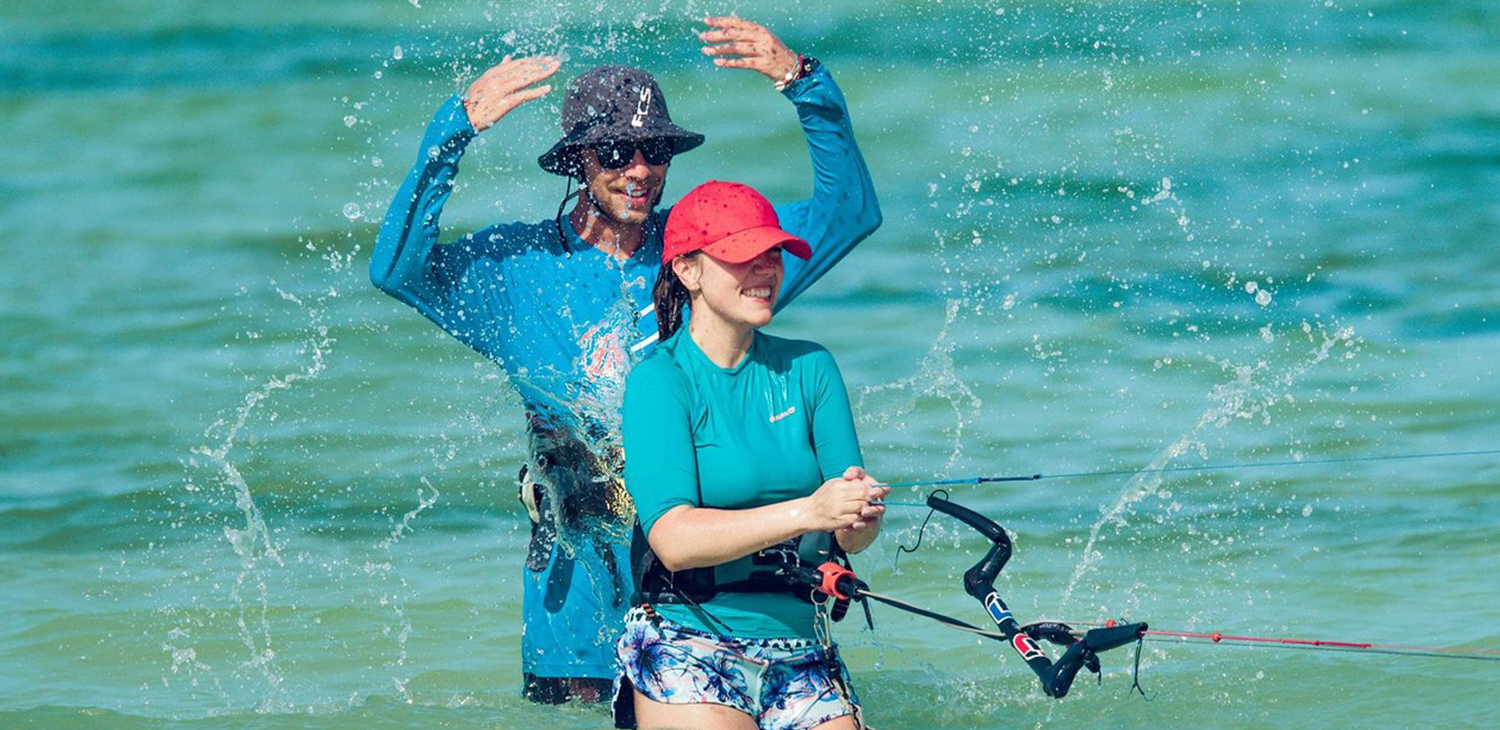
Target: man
565	306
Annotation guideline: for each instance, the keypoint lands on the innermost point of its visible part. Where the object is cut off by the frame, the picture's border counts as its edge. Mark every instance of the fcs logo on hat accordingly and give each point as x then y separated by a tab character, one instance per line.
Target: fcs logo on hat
642	108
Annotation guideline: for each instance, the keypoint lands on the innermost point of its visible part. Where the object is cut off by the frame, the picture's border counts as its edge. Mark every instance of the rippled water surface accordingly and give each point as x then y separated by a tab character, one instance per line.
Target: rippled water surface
241	488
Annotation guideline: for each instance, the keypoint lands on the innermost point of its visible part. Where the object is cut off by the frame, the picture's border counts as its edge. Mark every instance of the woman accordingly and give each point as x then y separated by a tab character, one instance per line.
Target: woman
741	457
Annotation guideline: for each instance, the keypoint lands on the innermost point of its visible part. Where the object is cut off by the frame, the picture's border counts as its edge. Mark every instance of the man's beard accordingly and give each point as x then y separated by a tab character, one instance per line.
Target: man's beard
596	207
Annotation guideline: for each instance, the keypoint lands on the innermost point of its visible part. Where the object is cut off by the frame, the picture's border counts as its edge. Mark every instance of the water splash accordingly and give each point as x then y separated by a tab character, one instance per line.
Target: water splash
395	599
1250	393
935	378
425	500
253	542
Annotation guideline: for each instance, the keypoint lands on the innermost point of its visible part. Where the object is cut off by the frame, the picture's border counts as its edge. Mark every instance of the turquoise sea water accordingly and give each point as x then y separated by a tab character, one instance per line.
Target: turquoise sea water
241	488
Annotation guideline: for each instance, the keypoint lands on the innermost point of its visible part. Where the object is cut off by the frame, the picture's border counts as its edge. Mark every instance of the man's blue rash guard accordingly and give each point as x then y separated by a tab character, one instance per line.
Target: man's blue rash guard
566	327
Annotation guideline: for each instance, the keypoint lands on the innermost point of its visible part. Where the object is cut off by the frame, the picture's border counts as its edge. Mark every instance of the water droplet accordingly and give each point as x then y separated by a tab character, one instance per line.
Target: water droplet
352	211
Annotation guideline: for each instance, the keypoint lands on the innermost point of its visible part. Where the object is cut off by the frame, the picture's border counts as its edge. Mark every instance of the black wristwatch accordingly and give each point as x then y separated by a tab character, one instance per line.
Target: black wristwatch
809	66
806	65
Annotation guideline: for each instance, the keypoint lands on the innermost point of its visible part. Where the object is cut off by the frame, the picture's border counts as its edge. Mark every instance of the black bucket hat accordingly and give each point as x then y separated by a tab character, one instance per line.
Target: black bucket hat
613	104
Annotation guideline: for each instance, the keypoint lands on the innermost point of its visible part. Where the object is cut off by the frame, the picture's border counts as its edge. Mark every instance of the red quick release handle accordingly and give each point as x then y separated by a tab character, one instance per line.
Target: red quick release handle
832	574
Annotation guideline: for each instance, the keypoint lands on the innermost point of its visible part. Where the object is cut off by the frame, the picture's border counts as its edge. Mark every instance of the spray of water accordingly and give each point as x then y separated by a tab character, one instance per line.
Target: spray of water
935	378
1251	391
252	540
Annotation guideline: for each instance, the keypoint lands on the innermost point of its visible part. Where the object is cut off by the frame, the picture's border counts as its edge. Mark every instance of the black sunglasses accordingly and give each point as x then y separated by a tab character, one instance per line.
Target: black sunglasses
618	155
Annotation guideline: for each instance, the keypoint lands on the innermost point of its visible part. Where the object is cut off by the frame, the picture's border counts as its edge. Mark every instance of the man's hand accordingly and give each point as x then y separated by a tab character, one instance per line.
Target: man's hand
738	43
506	86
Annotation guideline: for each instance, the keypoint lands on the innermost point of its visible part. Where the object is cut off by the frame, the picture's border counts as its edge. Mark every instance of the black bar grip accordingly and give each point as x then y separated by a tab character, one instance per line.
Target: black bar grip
986	526
1113	637
979	581
1065	669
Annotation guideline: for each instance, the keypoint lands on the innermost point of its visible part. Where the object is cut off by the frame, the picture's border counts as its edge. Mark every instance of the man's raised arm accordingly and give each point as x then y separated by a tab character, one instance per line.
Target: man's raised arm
403	262
843	209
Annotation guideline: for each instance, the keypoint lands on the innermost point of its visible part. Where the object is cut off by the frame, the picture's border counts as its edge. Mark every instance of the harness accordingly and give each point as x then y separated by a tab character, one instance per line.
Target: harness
781	568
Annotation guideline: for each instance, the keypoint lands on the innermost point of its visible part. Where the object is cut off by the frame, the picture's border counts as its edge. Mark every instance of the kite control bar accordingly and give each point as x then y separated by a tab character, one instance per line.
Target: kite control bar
979	581
840	584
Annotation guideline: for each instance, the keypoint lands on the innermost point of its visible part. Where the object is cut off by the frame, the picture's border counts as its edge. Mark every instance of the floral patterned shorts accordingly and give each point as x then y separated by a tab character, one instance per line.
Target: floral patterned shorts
785	684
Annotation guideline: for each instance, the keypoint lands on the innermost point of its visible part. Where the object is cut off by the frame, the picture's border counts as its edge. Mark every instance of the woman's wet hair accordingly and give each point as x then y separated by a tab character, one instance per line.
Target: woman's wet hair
669	296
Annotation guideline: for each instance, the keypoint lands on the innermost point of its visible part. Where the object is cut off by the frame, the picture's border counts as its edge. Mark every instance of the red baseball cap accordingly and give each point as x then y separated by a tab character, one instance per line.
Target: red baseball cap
728	221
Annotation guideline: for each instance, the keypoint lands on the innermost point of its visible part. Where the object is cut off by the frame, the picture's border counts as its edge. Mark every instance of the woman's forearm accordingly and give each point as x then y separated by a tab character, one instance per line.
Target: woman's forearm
698	537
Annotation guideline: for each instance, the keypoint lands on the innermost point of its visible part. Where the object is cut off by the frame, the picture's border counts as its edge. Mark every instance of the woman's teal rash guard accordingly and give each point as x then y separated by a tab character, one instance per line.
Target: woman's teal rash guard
773	428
